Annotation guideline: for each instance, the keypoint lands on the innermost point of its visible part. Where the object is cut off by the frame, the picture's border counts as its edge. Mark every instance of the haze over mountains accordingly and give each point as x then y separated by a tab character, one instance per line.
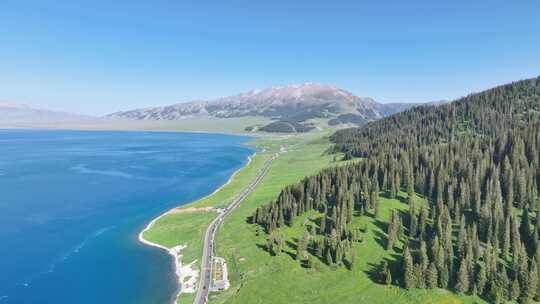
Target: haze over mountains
14	113
294	103
276	109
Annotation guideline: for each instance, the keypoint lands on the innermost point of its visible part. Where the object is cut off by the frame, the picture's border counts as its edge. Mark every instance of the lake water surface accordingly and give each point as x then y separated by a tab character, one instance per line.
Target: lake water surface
73	202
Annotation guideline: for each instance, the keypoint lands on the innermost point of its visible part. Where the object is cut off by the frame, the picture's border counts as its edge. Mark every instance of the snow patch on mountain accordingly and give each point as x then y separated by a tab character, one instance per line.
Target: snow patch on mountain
292	102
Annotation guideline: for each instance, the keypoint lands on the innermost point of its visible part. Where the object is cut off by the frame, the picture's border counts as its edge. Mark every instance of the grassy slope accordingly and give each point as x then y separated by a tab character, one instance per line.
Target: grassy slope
237	241
257	277
188	228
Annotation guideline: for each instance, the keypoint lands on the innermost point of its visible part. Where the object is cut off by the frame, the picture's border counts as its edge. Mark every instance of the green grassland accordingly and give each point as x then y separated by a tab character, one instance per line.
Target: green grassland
182	229
188	228
232	125
179	228
258	277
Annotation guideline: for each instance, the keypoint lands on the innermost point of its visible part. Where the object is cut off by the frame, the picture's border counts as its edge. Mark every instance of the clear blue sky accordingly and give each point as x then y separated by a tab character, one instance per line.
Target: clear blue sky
96	57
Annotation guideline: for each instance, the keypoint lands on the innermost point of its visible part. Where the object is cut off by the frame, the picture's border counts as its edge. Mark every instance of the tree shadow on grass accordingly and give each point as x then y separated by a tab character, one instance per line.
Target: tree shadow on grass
292	243
398	250
383	226
249	221
375	270
264	248
380	238
404	215
402	199
290	254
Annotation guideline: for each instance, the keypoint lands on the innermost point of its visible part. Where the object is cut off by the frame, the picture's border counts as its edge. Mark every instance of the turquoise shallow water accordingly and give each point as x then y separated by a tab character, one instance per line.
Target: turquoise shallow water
73	202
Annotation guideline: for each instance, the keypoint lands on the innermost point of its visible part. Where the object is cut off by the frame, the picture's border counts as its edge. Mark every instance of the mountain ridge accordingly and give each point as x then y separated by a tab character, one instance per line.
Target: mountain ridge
296	102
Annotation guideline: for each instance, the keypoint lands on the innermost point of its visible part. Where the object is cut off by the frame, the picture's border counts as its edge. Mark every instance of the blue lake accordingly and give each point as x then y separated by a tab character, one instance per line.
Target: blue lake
73	202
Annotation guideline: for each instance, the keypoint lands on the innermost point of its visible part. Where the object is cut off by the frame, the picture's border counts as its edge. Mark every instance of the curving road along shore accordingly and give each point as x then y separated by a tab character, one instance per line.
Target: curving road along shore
208	249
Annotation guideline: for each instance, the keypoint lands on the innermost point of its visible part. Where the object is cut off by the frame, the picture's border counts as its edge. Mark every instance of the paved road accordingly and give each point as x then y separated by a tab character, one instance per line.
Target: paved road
208	249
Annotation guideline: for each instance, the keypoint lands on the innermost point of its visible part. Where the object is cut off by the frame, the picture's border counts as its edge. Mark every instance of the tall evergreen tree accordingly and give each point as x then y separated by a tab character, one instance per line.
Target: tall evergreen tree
432	276
409	278
462	284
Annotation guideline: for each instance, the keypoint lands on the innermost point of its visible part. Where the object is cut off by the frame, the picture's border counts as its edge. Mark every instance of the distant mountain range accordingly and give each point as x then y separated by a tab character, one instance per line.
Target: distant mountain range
292	103
13	113
283	109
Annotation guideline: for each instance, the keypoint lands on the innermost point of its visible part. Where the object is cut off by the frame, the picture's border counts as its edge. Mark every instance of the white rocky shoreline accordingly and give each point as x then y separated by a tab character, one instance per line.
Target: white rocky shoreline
187	275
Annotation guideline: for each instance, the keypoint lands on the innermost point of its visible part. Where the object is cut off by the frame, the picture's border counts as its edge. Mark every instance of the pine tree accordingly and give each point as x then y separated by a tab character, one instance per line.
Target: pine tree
504	283
495	291
515	290
319	247
329	259
516	240
444	276
422	223
413	222
386	274
419	276
506	239
537	221
462	238
522	189
525	227
522	269
462	284
408	270
536	264
310	262
375	202
270	245
410	188
393	188
302	247
424	259
481	279
530	288
432	276
352	261
322	227
388	277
